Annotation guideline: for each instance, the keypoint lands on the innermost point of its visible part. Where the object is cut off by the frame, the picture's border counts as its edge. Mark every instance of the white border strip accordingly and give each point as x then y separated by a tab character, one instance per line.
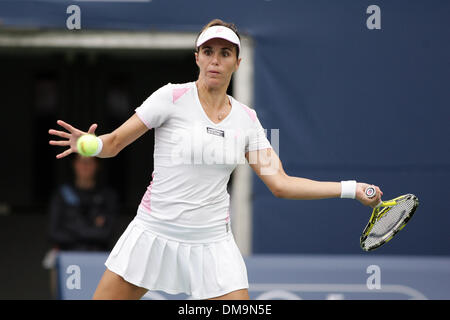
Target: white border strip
98	40
241	193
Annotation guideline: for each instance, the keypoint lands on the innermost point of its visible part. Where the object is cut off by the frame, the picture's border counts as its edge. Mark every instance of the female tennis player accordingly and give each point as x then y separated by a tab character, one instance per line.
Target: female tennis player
180	240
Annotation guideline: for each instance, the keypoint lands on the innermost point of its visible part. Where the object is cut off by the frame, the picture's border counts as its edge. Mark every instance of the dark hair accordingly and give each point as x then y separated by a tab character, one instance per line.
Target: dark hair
218	22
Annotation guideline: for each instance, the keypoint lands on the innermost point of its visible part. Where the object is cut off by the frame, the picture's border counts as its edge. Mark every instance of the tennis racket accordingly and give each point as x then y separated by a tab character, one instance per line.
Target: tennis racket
388	218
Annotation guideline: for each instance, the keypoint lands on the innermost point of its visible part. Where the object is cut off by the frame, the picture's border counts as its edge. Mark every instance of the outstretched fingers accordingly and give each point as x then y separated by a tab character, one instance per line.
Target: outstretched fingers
71	137
64	154
61	143
92	128
67	126
58	133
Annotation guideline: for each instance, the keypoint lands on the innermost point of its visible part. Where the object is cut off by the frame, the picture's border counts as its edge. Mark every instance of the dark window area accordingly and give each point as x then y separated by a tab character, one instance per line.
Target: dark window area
39	87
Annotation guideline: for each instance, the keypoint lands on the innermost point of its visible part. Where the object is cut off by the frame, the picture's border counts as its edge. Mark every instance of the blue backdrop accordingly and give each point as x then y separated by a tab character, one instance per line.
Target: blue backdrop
350	103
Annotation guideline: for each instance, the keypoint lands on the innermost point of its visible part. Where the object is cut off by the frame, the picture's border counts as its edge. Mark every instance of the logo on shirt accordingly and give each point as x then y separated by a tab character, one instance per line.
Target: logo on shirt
215	132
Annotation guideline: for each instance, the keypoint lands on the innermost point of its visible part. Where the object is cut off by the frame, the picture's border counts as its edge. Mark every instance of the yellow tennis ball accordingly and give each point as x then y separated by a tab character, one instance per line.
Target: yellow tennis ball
87	145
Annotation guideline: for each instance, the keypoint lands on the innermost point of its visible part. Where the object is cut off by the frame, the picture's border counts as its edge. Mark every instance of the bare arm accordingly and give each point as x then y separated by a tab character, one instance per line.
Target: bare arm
113	142
269	168
126	134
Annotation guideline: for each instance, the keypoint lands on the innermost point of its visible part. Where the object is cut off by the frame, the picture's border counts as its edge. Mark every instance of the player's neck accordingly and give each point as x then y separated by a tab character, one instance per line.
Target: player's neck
214	97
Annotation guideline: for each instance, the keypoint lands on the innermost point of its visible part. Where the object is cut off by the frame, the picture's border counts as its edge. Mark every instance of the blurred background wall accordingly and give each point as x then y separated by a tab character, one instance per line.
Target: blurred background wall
350	102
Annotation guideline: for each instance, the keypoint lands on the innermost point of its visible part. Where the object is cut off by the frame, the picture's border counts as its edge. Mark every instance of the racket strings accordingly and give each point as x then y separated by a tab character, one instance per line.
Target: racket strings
389	222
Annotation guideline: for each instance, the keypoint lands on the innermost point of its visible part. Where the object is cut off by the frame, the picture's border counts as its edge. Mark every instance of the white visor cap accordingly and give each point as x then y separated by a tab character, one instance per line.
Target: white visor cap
218	32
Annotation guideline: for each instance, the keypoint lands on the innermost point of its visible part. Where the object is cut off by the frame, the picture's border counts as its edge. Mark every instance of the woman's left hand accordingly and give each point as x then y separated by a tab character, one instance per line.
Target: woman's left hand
361	195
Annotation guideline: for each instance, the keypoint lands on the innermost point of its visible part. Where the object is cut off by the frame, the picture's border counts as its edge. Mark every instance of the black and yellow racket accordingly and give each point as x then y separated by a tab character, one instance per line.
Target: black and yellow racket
388	218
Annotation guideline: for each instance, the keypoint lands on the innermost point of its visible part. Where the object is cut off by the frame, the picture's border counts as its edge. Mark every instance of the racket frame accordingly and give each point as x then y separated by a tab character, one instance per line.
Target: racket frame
379	211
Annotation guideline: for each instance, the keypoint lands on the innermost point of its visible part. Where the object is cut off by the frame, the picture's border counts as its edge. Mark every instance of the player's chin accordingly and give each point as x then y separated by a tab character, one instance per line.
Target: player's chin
217	81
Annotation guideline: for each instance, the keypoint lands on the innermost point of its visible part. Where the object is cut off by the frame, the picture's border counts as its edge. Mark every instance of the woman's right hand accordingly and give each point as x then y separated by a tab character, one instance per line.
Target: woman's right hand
70	137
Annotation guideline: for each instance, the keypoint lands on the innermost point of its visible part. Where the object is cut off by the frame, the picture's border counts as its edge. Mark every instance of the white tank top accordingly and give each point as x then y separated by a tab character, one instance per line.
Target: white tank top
194	157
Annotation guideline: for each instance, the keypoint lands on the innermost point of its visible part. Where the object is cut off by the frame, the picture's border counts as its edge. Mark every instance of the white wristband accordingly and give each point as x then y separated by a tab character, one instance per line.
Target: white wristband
348	189
99	147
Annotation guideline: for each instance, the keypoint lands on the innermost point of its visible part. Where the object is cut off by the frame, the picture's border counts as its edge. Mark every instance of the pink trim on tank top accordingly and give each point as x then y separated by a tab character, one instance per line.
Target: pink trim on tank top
251	113
143	120
146	200
178	93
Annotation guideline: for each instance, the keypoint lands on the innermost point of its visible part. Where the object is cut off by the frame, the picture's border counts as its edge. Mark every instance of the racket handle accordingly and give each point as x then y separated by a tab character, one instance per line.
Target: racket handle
372	192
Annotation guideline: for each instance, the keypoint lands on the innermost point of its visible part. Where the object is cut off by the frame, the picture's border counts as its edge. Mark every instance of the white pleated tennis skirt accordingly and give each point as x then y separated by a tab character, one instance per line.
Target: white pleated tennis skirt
157	256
